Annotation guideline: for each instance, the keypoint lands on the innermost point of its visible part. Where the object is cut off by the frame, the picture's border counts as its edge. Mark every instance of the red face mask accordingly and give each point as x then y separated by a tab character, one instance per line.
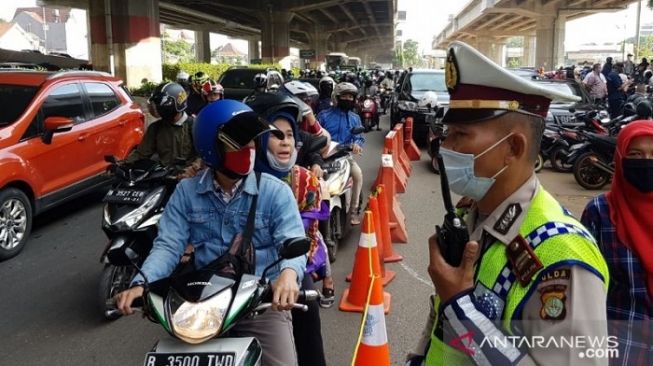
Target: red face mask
240	162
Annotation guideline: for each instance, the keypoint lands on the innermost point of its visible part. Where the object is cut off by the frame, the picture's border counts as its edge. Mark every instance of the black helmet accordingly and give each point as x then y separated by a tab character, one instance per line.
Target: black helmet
168	100
260	81
326	86
644	109
268	104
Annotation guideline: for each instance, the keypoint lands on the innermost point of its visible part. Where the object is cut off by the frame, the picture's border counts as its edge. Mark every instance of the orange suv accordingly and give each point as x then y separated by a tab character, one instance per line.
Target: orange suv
55	129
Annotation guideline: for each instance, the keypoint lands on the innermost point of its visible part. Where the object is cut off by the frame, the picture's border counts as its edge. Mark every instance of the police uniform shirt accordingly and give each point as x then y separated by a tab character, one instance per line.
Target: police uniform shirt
581	312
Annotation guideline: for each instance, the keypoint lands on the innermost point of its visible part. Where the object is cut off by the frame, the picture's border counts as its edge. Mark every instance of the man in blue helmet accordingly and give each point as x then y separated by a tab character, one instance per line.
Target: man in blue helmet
210	209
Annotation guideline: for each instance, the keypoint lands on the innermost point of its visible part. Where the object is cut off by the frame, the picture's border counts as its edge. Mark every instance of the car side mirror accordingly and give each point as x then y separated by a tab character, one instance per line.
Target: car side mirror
55	124
572	110
293	248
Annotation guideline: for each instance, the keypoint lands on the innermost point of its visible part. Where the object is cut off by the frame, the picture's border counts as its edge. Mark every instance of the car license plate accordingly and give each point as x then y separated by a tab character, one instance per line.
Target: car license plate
190	359
125	196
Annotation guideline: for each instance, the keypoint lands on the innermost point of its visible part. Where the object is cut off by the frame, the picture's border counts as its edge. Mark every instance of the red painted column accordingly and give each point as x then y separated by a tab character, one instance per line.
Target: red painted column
275	34
125	39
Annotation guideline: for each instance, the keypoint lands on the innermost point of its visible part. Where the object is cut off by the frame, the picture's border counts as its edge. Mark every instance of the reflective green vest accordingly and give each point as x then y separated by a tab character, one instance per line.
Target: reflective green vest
556	238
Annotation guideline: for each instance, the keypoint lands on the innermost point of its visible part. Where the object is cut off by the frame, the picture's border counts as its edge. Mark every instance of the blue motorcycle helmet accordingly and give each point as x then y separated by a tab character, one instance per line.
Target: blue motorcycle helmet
226	123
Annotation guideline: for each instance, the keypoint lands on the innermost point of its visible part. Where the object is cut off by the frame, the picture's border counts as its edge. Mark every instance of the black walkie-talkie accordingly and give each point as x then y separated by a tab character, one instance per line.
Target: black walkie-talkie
453	234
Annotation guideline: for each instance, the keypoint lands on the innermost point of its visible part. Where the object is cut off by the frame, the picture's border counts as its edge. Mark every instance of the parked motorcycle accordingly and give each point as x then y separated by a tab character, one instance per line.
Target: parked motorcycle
199	308
339	183
368	113
386	96
131	214
594	166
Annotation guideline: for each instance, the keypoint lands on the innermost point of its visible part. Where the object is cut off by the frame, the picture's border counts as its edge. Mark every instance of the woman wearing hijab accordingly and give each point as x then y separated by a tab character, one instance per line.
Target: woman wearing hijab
622	222
281	158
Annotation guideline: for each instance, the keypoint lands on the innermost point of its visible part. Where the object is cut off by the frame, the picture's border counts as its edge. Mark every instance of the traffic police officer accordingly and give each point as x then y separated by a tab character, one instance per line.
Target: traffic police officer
531	287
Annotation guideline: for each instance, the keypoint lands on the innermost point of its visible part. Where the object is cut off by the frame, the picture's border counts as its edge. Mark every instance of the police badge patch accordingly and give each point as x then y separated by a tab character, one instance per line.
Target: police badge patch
451	74
553	302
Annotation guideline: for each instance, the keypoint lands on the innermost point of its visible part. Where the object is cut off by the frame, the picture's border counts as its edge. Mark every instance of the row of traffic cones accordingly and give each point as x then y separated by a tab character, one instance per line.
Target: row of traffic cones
383	223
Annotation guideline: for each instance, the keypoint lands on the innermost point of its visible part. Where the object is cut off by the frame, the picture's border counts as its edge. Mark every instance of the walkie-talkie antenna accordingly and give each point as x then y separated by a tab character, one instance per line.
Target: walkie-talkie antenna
446	193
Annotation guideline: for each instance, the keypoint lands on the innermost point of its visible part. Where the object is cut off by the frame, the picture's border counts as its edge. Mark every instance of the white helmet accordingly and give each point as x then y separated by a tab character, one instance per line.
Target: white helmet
300	89
182	76
428	100
345	88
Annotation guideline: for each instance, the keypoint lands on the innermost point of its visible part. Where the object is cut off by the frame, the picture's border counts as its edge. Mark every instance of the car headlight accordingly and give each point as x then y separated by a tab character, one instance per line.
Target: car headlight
134	217
407	105
198	322
549	117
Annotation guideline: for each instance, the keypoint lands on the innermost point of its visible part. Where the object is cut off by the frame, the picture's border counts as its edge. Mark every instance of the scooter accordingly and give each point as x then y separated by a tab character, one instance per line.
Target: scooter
199	308
339	183
386	95
594	166
131	214
369	113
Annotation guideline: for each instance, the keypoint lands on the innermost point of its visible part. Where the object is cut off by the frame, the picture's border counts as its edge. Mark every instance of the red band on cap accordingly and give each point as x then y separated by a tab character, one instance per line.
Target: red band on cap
527	102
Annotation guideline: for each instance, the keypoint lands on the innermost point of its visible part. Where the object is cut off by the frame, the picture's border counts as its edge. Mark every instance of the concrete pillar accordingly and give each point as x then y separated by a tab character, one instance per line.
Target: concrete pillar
125	39
544	50
338	43
499	53
275	34
559	41
484	46
528	58
203	46
254	51
320	43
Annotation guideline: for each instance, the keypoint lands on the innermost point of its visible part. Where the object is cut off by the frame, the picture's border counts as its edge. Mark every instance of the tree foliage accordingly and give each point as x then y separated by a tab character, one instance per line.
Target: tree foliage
177	50
411	54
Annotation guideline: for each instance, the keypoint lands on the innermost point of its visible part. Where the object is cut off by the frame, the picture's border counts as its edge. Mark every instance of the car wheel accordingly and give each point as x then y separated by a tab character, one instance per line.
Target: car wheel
15	222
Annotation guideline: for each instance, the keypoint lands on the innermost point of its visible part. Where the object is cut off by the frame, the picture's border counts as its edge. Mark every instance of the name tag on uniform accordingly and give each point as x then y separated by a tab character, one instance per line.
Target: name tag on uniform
525	263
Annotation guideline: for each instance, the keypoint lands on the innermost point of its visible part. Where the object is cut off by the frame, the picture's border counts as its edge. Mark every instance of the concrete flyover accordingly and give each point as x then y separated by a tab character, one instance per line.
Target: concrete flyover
124	34
486	24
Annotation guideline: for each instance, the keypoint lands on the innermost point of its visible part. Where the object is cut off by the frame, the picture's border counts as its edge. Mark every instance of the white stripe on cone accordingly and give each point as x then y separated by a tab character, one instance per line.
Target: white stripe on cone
368	240
374	332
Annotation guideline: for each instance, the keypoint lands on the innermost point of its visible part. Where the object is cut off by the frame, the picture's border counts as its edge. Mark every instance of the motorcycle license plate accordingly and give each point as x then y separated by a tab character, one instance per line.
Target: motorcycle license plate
125	196
190	359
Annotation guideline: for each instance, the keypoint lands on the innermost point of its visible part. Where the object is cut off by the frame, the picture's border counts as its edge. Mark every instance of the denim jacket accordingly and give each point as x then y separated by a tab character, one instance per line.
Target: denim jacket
196	214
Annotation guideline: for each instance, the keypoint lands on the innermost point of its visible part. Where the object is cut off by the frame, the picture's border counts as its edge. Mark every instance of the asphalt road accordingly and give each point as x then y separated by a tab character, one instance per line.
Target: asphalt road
49	297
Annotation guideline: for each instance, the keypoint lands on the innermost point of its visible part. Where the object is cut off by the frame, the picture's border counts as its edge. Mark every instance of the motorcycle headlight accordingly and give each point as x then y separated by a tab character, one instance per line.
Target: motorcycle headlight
198	322
368	103
134	217
407	105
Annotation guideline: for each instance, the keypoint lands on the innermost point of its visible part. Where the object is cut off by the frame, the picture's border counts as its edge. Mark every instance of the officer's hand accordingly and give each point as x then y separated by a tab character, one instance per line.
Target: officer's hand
450	281
285	290
356	149
124	299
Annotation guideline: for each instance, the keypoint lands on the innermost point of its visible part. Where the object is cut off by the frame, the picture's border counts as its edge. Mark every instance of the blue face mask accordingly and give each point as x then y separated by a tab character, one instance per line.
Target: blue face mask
460	172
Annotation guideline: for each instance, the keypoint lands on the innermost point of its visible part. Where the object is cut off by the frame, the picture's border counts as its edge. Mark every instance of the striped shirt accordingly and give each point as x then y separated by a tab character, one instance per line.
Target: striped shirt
630	306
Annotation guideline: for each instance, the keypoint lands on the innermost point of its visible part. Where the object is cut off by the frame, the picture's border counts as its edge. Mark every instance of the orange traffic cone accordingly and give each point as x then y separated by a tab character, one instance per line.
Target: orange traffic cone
373	348
409	144
400	152
386	275
389	254
396	218
389	147
366	265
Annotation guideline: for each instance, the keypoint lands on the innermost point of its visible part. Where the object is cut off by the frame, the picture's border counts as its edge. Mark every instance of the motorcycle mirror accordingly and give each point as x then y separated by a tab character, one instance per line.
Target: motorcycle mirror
357	130
293	248
439	113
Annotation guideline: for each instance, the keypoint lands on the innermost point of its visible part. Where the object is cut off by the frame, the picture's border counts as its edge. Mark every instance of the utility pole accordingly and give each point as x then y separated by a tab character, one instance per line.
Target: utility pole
639	18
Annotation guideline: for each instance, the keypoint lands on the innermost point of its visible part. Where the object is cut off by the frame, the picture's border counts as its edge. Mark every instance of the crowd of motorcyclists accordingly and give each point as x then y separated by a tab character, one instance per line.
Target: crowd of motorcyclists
272	145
